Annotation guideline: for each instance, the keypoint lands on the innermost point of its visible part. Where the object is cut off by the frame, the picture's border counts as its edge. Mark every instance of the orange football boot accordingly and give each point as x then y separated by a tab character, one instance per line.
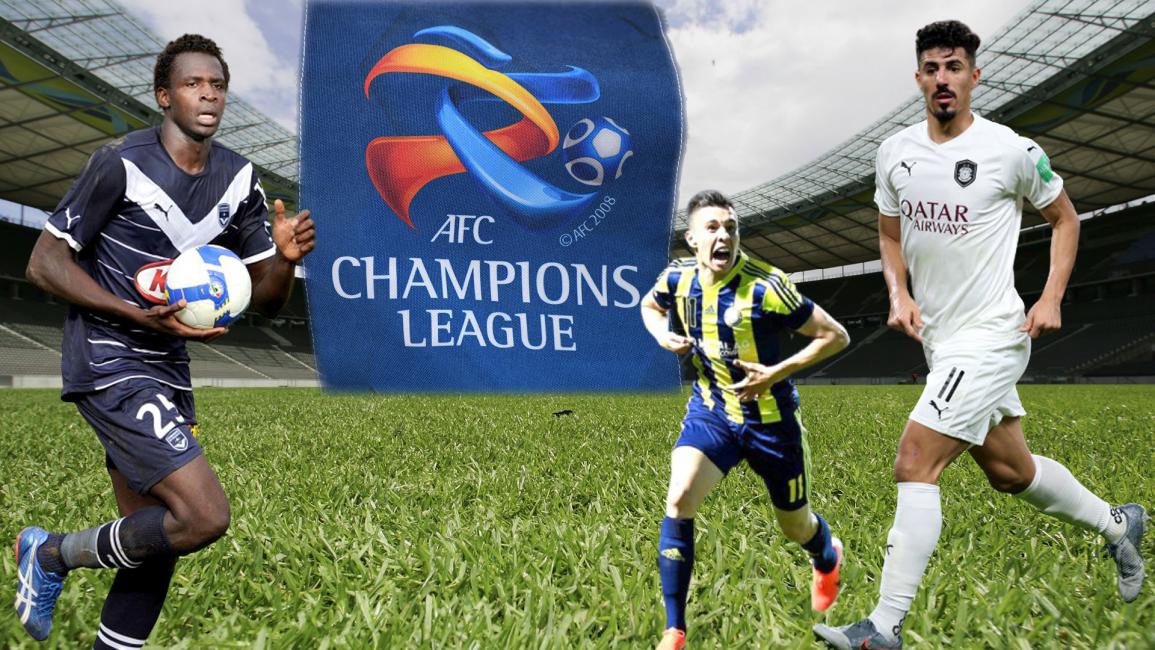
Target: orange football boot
824	588
673	639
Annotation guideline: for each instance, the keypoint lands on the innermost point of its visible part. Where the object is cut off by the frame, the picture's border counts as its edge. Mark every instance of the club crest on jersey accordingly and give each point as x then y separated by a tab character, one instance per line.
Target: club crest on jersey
177	440
150	279
223	214
965	172
732	316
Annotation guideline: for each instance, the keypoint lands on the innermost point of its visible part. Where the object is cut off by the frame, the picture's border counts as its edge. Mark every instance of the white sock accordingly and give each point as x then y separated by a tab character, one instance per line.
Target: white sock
912	538
1059	494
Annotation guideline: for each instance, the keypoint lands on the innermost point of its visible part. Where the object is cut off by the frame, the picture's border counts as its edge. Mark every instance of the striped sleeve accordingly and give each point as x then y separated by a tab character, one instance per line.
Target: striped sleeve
783	299
255	234
667	285
91	201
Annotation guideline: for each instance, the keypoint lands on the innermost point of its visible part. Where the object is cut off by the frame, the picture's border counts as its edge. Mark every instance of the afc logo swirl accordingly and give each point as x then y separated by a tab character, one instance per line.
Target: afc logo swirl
594	150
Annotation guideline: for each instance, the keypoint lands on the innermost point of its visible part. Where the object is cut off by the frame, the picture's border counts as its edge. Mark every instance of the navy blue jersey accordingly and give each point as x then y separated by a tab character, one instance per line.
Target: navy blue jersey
739	317
132	207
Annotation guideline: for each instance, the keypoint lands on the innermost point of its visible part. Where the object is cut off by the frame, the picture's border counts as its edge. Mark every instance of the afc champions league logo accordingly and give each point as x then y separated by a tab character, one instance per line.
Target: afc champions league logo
594	150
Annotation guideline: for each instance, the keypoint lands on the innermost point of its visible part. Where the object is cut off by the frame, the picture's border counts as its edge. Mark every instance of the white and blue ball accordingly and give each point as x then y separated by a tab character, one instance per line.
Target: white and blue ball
595	150
215	284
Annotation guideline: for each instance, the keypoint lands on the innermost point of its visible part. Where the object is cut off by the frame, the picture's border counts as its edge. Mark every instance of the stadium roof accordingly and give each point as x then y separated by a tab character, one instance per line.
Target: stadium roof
1076	76
75	74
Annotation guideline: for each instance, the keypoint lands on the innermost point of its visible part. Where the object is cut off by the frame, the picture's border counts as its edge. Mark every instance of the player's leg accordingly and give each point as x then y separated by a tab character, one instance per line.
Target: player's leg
136	598
812	533
923	454
147	432
192	513
701	457
692	476
780	454
1049	486
198	510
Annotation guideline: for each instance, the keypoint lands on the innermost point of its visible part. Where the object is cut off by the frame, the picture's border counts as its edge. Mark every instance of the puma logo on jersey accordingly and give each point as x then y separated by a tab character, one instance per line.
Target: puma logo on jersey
909	168
163	211
673	554
938	410
69	218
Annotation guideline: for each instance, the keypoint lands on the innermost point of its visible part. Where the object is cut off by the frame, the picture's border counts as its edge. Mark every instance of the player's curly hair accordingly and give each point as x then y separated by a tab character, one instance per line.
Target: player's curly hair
708	199
949	34
162	72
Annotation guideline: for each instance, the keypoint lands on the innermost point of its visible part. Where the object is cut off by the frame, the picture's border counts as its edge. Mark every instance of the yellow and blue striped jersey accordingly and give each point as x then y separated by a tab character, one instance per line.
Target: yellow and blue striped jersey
740	317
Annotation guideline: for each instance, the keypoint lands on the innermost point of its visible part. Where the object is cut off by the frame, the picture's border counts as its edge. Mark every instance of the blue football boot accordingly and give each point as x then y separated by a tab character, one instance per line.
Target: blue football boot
36	589
859	636
1128	558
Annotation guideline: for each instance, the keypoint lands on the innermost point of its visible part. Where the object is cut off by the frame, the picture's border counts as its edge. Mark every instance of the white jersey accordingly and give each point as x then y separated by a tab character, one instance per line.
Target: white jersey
961	208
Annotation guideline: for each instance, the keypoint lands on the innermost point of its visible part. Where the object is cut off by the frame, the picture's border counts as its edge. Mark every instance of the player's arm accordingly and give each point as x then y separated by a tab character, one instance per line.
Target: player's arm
52	268
1045	315
657	321
272	277
904	314
827	337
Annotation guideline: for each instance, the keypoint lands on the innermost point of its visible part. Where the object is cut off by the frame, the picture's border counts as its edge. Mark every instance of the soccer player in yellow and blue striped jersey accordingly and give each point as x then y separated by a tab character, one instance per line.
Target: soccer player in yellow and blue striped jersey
728	311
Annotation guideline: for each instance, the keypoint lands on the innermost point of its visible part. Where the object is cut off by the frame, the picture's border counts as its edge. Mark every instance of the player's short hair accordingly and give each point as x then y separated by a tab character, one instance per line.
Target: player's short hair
162	72
949	34
708	199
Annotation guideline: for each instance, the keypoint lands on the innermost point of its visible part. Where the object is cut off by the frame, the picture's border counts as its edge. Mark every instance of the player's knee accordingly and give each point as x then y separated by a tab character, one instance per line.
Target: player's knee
206	526
799	531
216	524
908	468
1008	480
680	504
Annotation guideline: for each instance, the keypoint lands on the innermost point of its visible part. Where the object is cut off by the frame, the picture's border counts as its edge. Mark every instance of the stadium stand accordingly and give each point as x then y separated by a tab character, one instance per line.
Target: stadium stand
1075	77
1109	319
256	351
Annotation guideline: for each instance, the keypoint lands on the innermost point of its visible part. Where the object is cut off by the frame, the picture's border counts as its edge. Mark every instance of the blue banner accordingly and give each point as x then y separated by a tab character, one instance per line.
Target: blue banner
493	186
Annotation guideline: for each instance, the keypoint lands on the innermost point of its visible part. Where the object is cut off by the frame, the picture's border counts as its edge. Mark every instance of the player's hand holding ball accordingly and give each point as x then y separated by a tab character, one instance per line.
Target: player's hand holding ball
162	318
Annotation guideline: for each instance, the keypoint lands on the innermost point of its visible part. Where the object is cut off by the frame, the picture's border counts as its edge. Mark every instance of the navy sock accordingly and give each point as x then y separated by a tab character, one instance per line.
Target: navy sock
133	605
122	544
48	555
820	549
675	562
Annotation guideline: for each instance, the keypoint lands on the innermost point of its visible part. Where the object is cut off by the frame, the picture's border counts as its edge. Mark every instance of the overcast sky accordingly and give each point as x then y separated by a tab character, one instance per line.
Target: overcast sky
769	84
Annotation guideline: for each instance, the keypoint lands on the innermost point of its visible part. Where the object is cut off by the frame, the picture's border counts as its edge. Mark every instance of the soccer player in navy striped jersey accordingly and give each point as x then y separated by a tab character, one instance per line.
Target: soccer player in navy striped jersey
141	200
730	311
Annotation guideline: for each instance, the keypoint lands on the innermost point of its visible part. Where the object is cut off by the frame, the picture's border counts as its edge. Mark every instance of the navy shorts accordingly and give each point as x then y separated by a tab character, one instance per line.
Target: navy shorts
147	429
777	452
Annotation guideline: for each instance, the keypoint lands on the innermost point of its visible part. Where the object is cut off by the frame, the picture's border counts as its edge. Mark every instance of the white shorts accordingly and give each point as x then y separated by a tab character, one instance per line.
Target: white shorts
971	385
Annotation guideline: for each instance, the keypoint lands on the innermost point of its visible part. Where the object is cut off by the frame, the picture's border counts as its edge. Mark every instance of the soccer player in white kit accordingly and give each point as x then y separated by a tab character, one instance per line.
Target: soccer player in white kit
949	194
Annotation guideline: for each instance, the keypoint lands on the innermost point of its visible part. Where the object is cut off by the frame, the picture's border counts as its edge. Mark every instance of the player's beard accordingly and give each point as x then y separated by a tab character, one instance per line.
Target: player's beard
943	115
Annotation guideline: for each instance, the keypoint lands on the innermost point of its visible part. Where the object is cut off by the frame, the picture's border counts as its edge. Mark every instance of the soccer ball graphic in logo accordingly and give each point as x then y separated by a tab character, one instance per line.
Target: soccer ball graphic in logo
595	150
215	284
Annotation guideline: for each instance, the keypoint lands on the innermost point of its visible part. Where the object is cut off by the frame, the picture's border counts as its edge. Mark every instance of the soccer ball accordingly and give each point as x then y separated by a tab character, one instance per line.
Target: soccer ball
215	284
595	150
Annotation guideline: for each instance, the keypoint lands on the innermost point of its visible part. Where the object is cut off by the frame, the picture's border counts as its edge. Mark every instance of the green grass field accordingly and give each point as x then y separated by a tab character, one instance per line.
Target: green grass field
486	522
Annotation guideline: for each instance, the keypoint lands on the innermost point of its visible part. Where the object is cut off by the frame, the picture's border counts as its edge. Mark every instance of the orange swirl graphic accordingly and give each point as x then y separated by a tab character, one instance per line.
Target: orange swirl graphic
401	165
